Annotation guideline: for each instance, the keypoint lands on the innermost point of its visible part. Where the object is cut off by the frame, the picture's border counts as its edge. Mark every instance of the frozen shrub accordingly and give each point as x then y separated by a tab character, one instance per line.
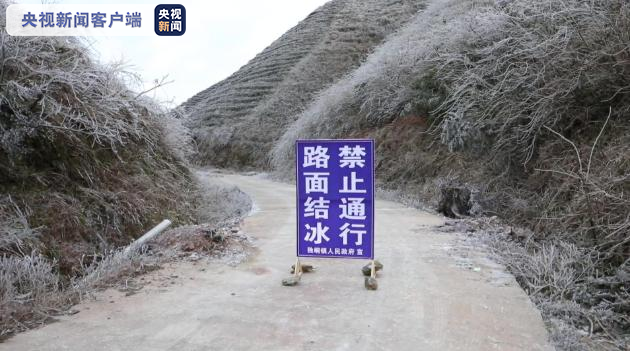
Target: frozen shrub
388	85
552	64
87	156
86	166
15	231
29	291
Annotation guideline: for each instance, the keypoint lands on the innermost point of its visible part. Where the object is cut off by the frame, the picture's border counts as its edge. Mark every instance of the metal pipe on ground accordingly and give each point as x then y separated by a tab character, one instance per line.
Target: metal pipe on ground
148	236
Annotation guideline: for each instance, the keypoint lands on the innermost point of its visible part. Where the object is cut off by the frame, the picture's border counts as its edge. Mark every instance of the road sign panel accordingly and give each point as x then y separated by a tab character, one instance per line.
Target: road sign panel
335	198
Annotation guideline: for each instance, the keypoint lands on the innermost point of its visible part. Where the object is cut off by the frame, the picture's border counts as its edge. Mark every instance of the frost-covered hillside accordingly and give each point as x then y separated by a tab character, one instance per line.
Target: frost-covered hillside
236	121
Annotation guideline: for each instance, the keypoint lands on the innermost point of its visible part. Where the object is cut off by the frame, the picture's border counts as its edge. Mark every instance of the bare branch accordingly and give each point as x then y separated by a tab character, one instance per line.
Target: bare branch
157	84
577	153
590	157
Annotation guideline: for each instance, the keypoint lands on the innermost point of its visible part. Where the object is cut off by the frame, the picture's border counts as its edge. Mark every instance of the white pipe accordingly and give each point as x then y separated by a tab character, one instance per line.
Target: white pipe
148	236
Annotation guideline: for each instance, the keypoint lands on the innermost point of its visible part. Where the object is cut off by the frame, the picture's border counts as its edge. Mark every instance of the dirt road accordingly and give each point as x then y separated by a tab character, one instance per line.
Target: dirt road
425	301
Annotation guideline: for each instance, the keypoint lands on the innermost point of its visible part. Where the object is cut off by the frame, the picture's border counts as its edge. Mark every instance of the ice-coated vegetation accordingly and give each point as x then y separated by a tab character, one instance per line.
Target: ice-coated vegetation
524	102
86	166
237	121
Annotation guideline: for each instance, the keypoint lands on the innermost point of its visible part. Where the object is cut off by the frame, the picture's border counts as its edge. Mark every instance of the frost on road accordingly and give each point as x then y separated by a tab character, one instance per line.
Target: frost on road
425	301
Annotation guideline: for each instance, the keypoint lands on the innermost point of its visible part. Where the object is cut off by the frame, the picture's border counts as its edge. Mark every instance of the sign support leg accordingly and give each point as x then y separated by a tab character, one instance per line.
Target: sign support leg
297	274
370	282
297	271
373	273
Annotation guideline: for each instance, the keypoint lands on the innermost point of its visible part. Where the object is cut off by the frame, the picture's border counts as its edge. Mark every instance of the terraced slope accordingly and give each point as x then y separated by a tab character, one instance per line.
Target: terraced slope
236	121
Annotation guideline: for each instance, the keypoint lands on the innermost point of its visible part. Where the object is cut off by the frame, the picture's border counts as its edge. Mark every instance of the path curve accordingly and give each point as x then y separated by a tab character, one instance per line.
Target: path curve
425	301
